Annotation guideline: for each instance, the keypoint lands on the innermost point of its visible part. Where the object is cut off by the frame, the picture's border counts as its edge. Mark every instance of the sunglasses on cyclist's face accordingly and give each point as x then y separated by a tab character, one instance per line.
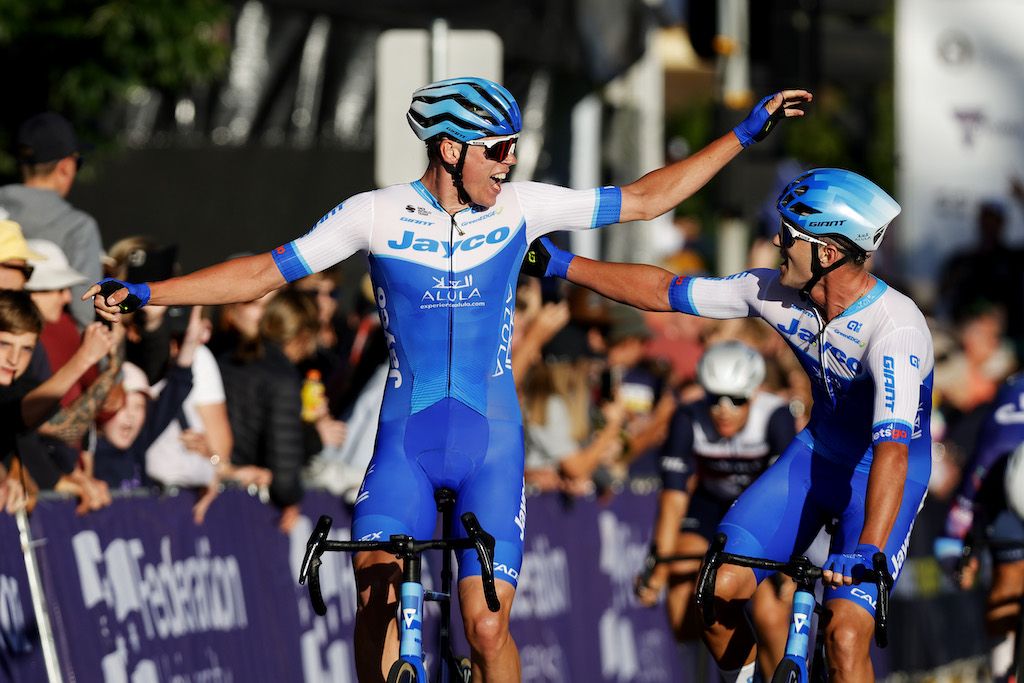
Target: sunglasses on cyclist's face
723	401
497	149
789	234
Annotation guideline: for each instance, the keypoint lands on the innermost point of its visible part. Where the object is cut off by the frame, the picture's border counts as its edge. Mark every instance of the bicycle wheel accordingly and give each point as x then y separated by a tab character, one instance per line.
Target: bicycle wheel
787	672
403	672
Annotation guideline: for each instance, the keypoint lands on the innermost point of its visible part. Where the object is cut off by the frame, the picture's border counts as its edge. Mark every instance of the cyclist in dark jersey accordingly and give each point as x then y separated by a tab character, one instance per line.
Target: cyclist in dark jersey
716	447
444	254
986	490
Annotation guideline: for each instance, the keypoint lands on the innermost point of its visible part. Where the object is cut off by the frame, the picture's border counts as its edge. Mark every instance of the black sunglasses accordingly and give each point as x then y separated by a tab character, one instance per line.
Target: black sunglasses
25	269
724	401
497	149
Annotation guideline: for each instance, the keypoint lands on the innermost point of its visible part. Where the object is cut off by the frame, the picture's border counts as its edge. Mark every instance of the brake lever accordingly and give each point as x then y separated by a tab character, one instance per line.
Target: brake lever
484	544
706	579
882	608
310	568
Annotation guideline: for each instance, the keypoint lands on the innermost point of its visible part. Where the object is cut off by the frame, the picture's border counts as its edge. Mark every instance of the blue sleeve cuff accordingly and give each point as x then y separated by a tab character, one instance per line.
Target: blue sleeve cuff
680	295
608	207
291	264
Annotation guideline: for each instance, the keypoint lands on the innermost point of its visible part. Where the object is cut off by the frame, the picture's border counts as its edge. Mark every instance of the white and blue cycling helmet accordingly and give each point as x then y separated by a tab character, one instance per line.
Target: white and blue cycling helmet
832	202
463	109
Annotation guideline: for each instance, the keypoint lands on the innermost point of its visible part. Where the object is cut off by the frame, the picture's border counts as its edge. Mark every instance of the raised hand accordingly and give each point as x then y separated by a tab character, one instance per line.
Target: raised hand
766	113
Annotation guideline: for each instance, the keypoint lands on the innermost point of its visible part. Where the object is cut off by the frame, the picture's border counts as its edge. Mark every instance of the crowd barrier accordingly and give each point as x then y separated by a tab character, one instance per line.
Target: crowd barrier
137	592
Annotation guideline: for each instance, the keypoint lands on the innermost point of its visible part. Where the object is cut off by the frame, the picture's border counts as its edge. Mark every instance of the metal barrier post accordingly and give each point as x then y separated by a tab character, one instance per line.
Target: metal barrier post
35	583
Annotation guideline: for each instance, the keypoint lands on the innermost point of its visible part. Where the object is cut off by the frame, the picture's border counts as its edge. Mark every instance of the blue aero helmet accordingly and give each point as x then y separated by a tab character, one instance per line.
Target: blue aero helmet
463	109
832	202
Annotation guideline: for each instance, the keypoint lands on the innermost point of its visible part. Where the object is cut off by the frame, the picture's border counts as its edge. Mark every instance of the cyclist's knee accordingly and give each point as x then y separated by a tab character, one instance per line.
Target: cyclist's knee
734	585
847	633
487	632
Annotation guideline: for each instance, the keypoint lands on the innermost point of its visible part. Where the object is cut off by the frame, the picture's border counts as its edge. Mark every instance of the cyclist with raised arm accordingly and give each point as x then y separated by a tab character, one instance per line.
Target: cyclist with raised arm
444	255
865	456
989	480
716	447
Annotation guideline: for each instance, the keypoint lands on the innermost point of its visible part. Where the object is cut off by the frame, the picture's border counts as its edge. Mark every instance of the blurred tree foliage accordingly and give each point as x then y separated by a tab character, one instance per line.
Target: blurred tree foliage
79	57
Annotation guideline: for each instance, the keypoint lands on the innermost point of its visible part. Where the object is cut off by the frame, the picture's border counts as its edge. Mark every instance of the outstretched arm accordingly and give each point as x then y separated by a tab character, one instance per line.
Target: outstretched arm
235	281
636	284
662	189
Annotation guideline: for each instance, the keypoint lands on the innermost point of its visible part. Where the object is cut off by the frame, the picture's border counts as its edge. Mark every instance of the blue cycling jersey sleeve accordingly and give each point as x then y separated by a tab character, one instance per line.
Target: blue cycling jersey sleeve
548	208
341	232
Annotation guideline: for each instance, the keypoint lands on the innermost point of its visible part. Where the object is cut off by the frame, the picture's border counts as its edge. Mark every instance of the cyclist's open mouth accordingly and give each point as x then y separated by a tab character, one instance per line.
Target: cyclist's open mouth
498	179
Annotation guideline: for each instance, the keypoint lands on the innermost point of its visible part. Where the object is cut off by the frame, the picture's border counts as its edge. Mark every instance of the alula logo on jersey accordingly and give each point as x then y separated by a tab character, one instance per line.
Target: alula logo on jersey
409	240
452	289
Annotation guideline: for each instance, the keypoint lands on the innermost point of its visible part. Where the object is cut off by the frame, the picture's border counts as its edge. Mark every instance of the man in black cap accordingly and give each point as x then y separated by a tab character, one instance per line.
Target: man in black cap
49	155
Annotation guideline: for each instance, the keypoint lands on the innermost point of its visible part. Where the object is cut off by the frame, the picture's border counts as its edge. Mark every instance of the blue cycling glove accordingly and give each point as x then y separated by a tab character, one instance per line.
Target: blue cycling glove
759	122
544	259
853	564
138	293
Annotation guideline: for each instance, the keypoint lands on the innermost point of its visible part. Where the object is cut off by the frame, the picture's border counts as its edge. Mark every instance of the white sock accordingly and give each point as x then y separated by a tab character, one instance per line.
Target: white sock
744	674
1001	657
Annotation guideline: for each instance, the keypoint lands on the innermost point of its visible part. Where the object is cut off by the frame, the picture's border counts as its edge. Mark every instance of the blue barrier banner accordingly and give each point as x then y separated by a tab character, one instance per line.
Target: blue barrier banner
139	593
21	657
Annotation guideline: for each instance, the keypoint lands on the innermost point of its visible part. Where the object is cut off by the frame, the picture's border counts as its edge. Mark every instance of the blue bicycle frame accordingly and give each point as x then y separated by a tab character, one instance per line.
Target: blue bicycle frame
793	667
410	626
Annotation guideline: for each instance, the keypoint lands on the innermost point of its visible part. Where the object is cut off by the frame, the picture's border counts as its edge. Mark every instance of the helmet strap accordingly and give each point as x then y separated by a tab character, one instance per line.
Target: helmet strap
818	271
455	171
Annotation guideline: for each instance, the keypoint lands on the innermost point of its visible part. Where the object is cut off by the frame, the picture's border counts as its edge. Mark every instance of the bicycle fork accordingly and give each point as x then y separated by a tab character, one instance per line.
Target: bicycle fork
800	630
411	618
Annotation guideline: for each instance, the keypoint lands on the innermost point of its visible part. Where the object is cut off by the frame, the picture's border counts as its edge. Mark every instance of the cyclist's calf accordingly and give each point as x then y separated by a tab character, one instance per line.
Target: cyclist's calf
730	639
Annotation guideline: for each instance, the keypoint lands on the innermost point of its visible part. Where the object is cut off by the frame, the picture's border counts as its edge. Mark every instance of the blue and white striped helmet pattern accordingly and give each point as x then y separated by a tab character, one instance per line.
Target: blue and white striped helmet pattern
463	109
832	202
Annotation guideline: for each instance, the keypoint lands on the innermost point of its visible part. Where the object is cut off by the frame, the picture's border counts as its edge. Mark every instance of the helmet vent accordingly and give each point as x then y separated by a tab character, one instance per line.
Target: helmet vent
802	209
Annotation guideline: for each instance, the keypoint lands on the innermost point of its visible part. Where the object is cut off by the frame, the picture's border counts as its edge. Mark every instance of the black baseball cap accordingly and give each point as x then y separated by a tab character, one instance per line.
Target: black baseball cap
47	137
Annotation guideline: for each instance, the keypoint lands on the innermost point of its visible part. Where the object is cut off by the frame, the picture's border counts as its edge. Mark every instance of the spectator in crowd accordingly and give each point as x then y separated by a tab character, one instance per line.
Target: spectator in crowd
639	384
555	459
49	156
14	256
27	402
263	385
195	448
717	446
970	376
50	286
125	436
988	272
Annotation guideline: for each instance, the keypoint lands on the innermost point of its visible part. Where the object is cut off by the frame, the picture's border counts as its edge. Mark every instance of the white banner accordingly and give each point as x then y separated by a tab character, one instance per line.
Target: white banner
960	124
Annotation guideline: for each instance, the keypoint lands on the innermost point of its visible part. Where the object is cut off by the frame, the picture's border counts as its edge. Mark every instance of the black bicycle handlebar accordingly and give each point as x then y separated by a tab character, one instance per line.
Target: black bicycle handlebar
800	569
401	546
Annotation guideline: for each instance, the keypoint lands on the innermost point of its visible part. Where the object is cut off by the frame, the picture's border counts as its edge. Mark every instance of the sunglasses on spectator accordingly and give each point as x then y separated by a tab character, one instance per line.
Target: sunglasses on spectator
24	268
497	149
789	234
723	401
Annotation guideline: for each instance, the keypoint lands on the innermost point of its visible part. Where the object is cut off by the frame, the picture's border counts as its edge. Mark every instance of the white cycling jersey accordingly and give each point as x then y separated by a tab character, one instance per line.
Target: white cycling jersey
445	285
870	367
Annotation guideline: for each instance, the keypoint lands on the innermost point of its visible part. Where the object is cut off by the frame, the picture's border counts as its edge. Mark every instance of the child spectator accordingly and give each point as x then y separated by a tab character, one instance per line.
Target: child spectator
120	457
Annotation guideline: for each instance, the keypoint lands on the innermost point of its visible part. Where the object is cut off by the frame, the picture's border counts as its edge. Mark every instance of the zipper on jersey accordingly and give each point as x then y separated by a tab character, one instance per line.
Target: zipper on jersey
451	308
822	328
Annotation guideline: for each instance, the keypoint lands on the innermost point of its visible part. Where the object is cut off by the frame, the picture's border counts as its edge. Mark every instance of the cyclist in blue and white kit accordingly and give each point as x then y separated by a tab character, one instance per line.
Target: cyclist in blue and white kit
865	456
444	256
